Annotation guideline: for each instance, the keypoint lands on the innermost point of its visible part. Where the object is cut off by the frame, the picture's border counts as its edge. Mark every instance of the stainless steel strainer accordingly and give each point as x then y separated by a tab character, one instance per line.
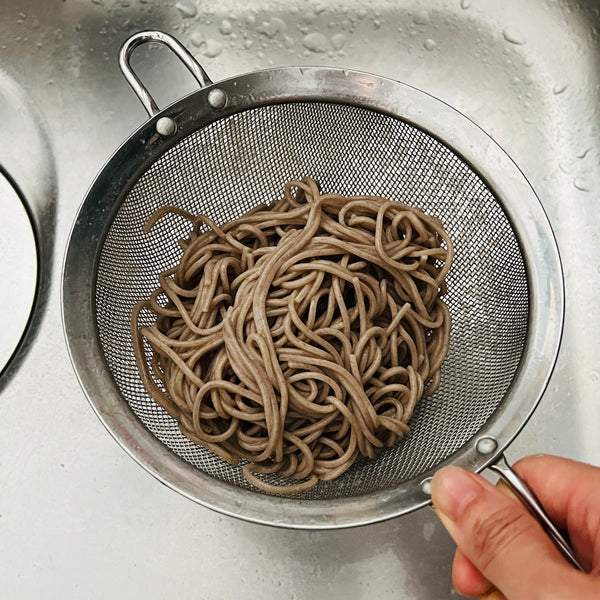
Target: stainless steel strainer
231	145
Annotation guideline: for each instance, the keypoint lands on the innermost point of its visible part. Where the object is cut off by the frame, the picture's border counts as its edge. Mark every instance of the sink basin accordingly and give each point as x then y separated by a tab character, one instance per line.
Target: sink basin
73	506
27	203
18	268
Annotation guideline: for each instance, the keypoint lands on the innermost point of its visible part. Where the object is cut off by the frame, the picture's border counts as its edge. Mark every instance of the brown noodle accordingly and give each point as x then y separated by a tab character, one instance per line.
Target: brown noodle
300	335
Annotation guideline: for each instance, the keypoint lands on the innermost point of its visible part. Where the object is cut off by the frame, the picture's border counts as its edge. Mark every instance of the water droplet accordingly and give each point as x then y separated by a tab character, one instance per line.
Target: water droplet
581	184
315	42
187	9
338	40
513	37
376	23
260	54
212	48
273	27
421	17
429	44
465	4
251	20
428	531
248	44
196	38
528	61
225	27
559	88
362	12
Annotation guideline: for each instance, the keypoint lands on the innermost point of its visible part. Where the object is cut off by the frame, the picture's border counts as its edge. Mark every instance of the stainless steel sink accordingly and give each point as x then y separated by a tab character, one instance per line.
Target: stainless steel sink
78	518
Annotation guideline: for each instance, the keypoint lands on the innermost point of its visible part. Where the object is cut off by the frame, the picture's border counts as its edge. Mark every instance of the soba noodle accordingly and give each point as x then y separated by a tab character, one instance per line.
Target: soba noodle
301	335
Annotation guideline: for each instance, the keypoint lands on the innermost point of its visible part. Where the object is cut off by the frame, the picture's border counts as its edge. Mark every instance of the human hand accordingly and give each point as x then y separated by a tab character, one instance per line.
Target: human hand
502	550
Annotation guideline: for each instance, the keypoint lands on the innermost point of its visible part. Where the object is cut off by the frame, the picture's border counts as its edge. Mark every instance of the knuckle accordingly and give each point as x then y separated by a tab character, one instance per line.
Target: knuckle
495	533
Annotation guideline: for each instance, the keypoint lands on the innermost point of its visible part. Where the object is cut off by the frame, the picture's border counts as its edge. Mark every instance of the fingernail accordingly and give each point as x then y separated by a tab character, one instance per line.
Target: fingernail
452	489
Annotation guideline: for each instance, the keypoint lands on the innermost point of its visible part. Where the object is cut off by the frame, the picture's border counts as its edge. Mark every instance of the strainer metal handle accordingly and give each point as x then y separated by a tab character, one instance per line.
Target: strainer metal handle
162	38
528	498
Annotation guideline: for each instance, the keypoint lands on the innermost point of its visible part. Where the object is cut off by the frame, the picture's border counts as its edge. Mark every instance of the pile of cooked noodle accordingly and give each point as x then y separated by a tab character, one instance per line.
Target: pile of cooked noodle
301	335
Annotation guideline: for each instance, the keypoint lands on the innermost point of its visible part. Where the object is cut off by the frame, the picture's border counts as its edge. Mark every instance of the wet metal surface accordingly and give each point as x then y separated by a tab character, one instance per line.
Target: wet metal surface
78	517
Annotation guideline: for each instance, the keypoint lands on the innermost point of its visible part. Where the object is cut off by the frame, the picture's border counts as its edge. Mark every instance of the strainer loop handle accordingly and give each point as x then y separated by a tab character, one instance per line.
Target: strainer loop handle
134	81
528	498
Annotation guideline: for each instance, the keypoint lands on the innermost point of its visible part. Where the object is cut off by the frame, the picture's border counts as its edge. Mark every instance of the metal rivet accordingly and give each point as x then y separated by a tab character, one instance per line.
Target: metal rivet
166	126
426	486
486	445
217	98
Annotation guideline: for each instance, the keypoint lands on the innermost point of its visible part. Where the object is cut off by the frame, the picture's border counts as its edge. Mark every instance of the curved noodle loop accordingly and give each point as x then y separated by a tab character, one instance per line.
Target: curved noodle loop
300	335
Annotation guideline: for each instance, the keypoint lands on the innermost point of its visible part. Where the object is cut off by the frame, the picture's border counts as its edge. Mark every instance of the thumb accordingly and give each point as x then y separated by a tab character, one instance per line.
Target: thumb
500	537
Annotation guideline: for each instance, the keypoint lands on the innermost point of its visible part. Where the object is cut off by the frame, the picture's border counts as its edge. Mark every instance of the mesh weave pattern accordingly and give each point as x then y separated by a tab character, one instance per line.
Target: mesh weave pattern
226	168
